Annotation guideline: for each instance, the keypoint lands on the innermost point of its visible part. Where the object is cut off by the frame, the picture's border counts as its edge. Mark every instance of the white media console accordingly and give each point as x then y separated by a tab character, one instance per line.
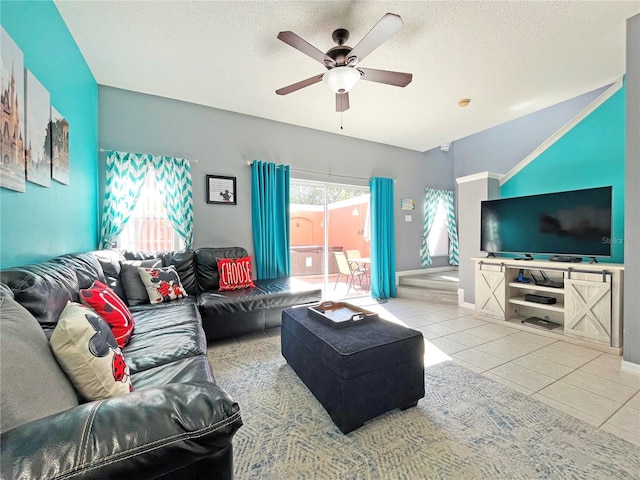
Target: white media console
588	302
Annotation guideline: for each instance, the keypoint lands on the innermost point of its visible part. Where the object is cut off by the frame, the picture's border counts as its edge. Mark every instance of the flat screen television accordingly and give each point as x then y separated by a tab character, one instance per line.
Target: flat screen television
575	223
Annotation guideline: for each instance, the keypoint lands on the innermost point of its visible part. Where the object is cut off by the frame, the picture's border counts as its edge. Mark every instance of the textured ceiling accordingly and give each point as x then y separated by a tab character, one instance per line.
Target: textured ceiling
510	58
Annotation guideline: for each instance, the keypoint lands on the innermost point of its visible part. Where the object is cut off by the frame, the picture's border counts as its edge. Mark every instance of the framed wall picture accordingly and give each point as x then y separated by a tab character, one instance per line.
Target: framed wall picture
59	130
38	141
407	204
12	145
221	189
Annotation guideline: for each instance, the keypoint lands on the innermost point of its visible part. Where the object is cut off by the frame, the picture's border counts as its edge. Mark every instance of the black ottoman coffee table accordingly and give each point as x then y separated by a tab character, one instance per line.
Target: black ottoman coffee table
358	372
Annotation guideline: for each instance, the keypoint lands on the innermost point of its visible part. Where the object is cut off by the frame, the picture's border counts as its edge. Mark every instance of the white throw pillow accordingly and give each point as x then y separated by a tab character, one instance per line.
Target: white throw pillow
88	353
162	283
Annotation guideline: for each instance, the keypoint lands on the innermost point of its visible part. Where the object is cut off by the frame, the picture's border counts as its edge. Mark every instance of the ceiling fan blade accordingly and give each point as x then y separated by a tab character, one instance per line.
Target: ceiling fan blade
382	31
342	102
398	79
305	47
297	86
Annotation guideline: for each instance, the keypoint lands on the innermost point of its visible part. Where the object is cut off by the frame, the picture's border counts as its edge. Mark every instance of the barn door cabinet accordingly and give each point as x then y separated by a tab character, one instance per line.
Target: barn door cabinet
587	306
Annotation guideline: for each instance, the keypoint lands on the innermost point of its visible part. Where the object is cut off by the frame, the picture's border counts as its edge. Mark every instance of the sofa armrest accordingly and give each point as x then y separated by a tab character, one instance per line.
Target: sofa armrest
143	434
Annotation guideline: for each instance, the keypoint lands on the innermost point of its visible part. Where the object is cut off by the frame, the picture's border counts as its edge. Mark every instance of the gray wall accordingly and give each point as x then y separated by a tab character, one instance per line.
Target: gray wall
470	194
434	179
632	198
223	142
500	148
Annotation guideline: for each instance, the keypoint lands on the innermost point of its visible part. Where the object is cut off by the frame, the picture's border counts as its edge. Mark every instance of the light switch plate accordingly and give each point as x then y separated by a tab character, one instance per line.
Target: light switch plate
408	218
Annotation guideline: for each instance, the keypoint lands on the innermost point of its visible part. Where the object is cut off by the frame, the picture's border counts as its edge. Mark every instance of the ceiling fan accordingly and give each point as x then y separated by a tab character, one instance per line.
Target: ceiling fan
341	61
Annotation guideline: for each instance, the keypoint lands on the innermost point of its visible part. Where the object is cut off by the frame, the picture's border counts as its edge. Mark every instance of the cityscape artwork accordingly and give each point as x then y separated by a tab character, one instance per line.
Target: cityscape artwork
38	141
59	147
12	133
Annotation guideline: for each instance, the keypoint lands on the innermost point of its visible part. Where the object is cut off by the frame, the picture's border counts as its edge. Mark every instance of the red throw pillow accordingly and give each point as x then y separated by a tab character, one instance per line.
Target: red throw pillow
108	305
235	273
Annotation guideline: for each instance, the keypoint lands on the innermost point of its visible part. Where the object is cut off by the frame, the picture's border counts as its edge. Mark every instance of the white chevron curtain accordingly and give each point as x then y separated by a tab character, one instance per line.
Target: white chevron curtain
435	199
125	176
173	176
126	173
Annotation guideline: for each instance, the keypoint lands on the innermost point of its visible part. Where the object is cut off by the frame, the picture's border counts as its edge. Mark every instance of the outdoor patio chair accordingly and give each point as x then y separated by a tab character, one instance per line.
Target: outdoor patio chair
351	270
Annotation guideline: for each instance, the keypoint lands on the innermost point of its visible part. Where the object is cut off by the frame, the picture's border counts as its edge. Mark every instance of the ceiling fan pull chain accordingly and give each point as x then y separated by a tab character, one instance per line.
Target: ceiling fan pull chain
341	121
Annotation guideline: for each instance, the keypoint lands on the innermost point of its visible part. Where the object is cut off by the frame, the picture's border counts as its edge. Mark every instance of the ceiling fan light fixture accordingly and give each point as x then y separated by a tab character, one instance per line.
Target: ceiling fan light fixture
341	79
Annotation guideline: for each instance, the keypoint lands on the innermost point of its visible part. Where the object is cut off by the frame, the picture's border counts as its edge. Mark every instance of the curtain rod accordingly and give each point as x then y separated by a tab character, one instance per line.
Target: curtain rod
190	160
325	174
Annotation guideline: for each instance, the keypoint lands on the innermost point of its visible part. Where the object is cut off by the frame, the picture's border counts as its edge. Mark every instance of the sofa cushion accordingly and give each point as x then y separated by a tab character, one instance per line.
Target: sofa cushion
267	294
162	284
45	288
153	349
164	335
111	308
132	284
33	384
149	317
207	265
186	370
110	260
183	261
235	273
87	351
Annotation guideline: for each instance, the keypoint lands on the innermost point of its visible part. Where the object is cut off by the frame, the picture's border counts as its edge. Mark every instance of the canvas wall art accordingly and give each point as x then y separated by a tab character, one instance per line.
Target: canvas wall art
59	130
38	141
12	133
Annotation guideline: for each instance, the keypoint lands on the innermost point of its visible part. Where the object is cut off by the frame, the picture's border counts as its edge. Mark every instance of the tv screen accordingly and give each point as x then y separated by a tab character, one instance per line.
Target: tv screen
576	222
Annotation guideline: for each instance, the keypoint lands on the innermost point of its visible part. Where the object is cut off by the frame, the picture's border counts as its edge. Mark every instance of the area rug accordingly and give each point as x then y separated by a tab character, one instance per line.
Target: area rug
466	427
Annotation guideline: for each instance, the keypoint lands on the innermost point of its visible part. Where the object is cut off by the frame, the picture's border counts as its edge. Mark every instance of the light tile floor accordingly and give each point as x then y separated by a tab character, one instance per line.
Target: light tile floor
577	380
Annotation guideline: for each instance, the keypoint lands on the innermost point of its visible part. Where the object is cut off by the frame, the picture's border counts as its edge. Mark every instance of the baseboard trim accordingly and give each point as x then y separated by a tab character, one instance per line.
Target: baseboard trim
462	303
630	367
423	270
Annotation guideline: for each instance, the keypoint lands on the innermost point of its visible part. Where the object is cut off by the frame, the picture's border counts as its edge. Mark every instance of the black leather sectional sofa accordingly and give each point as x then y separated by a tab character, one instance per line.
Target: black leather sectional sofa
224	314
177	423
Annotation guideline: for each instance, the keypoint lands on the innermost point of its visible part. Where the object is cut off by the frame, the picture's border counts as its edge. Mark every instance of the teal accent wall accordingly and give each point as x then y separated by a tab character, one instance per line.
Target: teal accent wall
44	222
591	154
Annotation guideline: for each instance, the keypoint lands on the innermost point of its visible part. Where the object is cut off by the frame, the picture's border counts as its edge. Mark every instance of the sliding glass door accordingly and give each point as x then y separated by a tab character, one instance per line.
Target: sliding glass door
330	237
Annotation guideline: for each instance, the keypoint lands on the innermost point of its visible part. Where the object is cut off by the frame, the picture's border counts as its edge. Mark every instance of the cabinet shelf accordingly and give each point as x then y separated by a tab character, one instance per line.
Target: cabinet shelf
537	288
556	307
556	330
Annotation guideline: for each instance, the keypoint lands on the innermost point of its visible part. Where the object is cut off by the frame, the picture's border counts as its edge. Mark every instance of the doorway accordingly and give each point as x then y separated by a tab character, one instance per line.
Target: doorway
330	237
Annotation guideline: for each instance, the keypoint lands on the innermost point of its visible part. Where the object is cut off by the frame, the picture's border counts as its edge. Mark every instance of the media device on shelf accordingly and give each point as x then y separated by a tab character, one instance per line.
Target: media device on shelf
563	258
540	322
521	278
546	281
531	297
566	225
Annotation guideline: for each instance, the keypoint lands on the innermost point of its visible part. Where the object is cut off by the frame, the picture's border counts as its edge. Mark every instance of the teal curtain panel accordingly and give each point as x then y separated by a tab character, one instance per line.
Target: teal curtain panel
270	219
383	245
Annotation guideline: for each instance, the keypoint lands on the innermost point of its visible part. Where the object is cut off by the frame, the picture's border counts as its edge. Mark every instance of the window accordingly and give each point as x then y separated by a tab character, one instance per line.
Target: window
149	228
326	218
438	239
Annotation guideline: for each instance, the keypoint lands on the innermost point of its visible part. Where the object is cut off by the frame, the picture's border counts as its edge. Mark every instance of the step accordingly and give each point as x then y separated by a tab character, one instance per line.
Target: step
427	294
427	281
